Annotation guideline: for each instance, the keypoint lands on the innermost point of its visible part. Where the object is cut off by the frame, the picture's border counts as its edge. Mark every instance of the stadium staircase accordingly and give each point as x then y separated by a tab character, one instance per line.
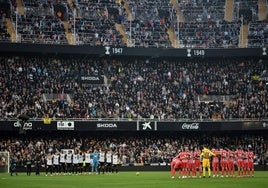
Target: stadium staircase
179	13
72	6
68	34
172	36
122	31
20	7
229	10
119	27
262	9
243	37
127	9
10	30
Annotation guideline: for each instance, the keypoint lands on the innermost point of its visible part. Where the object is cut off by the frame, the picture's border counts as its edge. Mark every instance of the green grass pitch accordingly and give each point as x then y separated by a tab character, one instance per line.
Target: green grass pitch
130	180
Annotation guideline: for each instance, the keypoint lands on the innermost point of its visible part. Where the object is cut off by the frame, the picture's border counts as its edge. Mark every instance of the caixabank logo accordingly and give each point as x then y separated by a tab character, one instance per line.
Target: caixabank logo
146	126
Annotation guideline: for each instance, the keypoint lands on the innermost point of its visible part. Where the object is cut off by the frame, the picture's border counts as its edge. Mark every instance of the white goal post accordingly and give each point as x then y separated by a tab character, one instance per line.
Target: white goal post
4	162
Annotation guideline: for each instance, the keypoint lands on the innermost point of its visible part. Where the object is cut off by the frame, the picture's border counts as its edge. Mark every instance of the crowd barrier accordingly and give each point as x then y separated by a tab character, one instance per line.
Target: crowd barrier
132	125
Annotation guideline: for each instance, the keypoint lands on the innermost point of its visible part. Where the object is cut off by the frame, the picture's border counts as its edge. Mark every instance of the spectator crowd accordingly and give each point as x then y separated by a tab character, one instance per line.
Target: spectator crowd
195	24
138	88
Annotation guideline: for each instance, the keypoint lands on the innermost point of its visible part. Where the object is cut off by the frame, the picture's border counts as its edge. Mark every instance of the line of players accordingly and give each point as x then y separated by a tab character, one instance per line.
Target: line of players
76	162
223	161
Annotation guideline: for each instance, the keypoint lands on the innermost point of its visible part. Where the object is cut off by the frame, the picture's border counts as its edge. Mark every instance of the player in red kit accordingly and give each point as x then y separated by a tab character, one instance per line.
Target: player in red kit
240	161
223	163
176	164
230	163
184	158
197	153
246	166
189	163
215	163
192	167
251	162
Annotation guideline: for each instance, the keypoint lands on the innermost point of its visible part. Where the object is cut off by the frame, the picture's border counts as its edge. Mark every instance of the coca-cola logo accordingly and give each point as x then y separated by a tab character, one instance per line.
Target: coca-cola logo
190	126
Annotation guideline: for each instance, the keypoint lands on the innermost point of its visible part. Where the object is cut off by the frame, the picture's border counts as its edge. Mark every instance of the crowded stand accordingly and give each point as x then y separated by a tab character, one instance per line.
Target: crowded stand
204	26
209	34
258	34
143	23
4	35
250	5
94	22
134	89
38	24
202	11
149	27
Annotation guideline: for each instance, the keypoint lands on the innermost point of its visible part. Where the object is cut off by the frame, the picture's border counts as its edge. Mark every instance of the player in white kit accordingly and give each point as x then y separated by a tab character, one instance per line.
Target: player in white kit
108	161
88	162
115	162
75	162
63	168
49	164
69	162
101	161
56	163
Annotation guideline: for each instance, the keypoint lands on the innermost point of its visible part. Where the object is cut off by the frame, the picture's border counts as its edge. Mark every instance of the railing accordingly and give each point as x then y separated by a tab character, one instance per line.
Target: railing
142	119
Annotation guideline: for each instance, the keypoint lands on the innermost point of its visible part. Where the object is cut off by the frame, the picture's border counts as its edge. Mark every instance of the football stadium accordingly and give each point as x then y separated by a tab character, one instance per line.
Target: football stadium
133	93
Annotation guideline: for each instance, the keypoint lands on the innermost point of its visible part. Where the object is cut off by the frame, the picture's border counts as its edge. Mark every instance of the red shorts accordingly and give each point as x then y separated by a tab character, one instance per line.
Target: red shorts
215	164
184	164
250	164
197	163
240	163
192	164
246	164
224	163
230	164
